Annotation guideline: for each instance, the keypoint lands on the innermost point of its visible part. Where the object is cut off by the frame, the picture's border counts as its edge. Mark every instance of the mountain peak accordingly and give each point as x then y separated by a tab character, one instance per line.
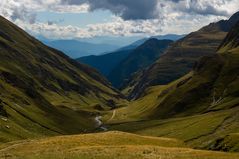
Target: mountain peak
232	39
153	42
222	25
234	17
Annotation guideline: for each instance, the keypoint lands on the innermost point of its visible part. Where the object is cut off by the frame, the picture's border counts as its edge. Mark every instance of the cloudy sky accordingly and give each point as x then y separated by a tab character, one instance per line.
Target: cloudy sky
65	19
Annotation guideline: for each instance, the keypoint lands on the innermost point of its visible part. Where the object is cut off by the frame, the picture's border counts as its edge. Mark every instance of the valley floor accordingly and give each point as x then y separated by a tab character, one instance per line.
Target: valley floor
213	130
106	145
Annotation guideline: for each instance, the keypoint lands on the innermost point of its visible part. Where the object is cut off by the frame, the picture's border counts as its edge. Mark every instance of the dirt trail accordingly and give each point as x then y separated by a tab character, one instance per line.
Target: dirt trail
113	115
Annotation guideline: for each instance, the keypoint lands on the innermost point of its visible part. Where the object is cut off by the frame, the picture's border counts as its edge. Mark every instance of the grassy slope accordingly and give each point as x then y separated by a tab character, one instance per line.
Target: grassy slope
215	110
228	143
199	131
106	145
179	59
201	108
43	92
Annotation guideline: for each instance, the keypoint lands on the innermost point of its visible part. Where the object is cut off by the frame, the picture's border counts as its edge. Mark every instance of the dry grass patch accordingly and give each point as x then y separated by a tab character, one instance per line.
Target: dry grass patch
106	146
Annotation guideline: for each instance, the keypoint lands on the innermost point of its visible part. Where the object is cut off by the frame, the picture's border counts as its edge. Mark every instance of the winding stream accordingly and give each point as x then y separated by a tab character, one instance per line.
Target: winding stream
99	123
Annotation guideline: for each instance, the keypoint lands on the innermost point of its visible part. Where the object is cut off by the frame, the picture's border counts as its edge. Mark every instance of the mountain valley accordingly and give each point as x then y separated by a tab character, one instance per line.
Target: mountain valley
164	99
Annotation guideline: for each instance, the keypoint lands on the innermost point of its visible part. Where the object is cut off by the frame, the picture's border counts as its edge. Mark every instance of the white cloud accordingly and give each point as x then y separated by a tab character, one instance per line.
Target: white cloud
9	8
118	27
173	16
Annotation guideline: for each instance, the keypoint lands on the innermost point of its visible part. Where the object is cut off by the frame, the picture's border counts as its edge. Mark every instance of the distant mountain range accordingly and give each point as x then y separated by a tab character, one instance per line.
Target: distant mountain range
108	63
97	46
140	58
120	65
76	49
125	40
173	37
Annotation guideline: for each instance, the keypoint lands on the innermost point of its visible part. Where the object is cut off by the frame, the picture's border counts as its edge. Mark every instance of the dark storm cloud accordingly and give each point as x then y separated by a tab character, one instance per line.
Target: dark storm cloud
127	9
202	8
147	9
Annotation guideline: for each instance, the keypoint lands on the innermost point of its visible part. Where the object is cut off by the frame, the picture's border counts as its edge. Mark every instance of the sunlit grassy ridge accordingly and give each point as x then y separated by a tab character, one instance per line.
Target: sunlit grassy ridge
106	145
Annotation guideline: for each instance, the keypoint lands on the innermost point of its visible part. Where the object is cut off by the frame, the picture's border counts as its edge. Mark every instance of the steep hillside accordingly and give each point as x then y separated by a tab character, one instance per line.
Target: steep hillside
105	63
43	92
201	108
141	57
231	42
180	58
76	49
